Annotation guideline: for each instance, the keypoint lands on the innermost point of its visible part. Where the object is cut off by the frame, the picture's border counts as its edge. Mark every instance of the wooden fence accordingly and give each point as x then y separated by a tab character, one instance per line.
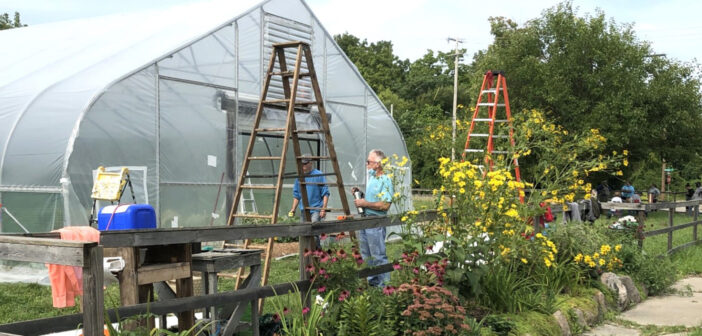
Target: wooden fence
643	208
89	256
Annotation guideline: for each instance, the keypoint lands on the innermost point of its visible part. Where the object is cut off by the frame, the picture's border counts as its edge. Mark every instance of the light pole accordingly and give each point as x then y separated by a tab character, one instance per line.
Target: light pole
455	96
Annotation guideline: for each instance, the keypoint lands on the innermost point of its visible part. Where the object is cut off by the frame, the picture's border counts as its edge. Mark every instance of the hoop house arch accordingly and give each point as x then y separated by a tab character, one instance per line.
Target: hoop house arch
170	94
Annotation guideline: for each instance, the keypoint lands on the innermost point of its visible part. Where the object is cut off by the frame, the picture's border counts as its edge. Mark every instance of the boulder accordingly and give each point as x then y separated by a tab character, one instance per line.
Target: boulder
601	305
613	282
562	321
631	290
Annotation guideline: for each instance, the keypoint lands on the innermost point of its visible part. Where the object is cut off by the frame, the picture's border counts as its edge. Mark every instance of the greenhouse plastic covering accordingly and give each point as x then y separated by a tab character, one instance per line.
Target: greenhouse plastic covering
171	95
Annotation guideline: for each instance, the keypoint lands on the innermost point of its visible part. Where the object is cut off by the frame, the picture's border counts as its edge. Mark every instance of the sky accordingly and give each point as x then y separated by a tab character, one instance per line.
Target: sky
673	27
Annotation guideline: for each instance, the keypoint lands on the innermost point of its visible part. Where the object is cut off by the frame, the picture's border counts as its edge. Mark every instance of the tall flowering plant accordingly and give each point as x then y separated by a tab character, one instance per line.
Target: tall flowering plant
335	268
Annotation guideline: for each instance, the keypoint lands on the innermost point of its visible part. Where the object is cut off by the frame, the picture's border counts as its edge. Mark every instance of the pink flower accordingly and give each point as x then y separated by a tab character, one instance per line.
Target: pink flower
324	258
396	266
341	253
344	295
309	269
322	271
305	310
307	252
322	289
323	236
388	290
340	236
334	259
286	310
359	261
416	270
430	247
276	317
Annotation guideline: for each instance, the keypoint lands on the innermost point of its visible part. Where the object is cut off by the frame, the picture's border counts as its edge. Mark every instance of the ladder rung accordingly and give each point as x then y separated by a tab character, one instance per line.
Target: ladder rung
491	104
253	216
264	157
500	152
275	101
491	90
490	119
470	150
258	186
291	44
315	158
485	135
326	209
289	73
310	131
270	129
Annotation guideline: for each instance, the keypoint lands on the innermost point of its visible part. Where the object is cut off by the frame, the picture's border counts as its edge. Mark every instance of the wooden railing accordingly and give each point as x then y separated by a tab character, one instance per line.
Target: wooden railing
89	256
642	208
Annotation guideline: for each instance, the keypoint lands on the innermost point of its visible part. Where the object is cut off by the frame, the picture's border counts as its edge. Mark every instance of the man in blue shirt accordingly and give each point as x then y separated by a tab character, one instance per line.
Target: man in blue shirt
627	191
317	193
379	192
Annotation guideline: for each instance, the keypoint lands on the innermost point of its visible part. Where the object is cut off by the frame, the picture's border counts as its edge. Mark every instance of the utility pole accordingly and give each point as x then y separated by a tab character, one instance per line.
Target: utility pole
455	96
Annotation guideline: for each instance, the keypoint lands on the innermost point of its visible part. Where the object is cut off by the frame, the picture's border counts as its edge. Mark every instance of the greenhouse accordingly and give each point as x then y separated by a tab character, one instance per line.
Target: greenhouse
171	95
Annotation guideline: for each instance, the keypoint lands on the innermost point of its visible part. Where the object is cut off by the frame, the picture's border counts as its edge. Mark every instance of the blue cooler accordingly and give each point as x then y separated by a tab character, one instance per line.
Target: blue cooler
127	217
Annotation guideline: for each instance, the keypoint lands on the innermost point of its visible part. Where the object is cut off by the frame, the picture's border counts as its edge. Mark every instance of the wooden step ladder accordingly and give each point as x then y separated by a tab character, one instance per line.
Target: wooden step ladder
492	99
278	68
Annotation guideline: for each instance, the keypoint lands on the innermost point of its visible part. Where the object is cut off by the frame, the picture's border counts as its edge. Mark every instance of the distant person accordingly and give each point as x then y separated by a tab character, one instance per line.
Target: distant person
689	193
317	195
698	192
627	191
653	193
615	199
603	191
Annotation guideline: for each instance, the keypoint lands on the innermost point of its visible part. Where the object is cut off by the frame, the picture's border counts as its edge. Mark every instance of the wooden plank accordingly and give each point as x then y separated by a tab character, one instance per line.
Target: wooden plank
60	255
683	246
670	205
184	288
669	229
93	299
671	214
44	241
163	272
625	206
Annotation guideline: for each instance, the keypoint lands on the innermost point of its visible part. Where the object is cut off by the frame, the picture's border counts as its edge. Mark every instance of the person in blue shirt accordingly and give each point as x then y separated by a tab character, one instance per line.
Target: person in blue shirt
317	193
379	192
627	191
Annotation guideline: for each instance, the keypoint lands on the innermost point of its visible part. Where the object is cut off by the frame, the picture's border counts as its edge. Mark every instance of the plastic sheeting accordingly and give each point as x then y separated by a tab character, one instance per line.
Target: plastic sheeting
172	95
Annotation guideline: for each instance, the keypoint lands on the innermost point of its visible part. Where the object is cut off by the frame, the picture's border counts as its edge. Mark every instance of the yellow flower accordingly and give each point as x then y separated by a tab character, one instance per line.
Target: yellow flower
512	213
619	173
618	247
625	162
547	262
578	257
625	152
602	262
524	260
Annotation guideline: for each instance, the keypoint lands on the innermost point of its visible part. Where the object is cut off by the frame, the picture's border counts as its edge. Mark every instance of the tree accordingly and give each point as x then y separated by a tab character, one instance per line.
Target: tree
6	23
376	61
591	73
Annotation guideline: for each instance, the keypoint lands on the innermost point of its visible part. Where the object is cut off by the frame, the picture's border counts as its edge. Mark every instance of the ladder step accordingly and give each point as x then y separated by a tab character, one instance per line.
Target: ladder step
470	150
326	209
500	152
292	44
264	157
490	119
306	102
275	101
485	135
289	74
253	216
258	186
270	130
491	104
491	90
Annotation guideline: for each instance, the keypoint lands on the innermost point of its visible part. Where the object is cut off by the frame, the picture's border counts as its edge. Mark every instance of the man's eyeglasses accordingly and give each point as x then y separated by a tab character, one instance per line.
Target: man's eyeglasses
369	161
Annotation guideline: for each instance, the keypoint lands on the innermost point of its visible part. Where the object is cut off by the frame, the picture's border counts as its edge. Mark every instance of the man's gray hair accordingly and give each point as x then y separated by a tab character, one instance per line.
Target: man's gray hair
378	153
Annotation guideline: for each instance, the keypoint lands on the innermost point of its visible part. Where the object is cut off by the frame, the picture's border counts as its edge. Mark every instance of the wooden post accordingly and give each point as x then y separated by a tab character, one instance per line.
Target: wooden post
93	300
671	213
184	288
694	218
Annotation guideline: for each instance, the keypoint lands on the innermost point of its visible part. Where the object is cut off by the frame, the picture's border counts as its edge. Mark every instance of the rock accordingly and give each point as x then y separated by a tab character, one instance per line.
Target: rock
631	290
613	282
580	318
562	321
601	305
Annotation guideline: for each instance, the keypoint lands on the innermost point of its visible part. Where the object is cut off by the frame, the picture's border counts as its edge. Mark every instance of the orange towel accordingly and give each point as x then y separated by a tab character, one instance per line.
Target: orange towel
67	281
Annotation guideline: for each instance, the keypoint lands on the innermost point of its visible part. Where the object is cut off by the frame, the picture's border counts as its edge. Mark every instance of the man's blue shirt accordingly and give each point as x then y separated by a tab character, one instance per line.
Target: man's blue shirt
379	188
627	191
315	192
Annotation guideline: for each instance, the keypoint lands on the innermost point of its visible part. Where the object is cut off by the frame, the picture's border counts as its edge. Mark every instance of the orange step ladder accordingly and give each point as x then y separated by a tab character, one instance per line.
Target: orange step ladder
485	125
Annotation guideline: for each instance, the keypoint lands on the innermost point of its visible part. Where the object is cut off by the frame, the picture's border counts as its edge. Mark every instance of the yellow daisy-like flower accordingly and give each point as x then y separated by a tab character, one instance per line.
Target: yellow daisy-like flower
602	262
547	262
524	260
578	258
618	247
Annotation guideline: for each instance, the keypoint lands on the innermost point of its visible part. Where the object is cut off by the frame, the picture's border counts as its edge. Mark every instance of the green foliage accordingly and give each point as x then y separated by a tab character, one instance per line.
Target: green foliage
295	318
364	315
7	23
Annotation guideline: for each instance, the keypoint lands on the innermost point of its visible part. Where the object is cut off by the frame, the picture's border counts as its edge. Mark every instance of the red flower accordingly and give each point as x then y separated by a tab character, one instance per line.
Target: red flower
276	317
305	310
